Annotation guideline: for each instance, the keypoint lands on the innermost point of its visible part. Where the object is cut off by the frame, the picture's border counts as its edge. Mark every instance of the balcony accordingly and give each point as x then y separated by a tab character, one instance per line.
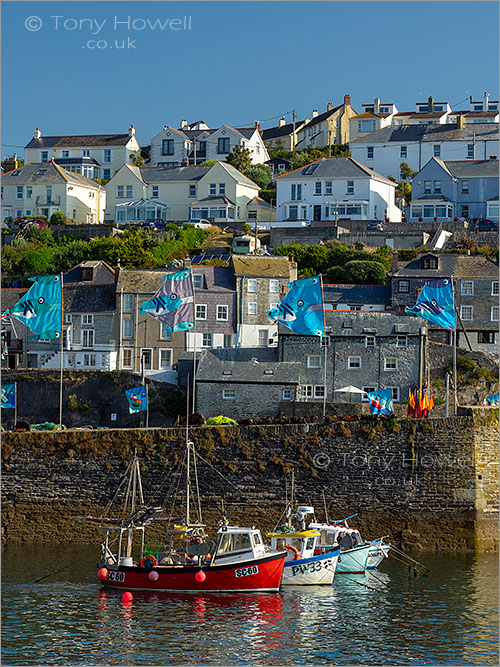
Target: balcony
48	201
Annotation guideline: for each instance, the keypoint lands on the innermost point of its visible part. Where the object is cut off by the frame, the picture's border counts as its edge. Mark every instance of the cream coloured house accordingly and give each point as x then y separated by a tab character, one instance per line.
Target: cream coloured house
330	127
216	192
43	188
93	155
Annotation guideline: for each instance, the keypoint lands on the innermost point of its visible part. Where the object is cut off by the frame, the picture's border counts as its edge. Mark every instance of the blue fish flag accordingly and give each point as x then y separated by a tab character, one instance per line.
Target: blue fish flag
173	303
380	402
435	303
137	399
8	396
40	309
301	309
492	401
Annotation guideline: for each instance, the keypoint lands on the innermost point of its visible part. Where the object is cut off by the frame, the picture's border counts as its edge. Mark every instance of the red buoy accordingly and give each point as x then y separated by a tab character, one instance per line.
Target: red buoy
127	597
200	576
102	573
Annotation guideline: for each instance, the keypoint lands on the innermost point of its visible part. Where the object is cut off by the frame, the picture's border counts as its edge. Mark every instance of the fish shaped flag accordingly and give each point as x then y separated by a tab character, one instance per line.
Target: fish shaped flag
435	303
8	399
4	351
301	309
380	402
40	309
492	401
173	303
137	399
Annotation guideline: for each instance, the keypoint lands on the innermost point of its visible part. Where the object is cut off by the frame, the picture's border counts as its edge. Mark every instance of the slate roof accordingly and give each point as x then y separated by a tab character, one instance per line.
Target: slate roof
214	201
272	267
64	141
321	117
139	281
458	266
217	278
362	323
257	201
239	363
103	273
11	295
357	294
188	173
53	173
281	131
89	298
334	167
446	132
471	168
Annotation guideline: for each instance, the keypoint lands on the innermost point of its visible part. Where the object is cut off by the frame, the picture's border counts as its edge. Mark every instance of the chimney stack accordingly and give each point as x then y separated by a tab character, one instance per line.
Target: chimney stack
347	100
184	123
460	121
314	113
329	106
37	134
256	125
430	104
376	105
485	101
282	122
131	131
117	270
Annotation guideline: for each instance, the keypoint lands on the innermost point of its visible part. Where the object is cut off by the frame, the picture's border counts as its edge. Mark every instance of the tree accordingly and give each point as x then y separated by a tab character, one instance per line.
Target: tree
260	174
240	158
403	191
57	218
364	273
137	160
406	172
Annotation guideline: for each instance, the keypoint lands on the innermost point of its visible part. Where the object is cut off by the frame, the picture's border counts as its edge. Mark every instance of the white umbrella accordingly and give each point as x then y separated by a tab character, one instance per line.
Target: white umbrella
350	390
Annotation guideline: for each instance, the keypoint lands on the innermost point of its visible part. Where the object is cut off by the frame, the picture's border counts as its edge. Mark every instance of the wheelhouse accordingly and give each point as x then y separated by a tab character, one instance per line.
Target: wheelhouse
238	544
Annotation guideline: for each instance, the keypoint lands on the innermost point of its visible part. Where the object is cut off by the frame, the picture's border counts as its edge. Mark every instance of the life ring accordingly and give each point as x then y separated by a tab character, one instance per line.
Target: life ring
151	560
294	550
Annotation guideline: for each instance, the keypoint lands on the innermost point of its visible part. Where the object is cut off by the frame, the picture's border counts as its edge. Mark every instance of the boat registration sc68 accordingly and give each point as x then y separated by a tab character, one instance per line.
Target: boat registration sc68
245	571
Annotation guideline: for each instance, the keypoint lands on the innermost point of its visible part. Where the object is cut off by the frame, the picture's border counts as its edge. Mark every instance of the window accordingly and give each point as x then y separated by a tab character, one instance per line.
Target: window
274	286
328	187
228	340
436	150
222	188
19	191
390	364
466	313
429	263
368	390
167	147
127	357
165	359
494	313
89	360
467	288
465	187
437	187
494	288
229	394
119	191
317	188
40	172
305	392
223	145
213	189
154	191
29	192
44	156
464	211
129	191
128	325
165	331
427	186
350	187
263	337
252	215
128	302
401	341
403	152
319	391
192	190
354	363
88	318
86	153
287	394
370	341
87	337
395	393
251	285
68	318
486	337
252	308
324	341
404	286
313	361
201	311
369	152
470	151
207	340
106	155
222	313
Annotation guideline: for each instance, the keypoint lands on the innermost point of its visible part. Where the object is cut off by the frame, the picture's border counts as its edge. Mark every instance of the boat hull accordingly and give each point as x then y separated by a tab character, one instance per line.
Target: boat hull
354	561
263	574
376	555
314	571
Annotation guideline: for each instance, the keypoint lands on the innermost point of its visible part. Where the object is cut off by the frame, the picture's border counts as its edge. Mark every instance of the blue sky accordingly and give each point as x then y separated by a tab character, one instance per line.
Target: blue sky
238	62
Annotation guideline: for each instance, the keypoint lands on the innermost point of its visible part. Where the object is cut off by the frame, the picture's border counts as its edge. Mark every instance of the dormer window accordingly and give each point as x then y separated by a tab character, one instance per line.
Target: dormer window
87	273
429	262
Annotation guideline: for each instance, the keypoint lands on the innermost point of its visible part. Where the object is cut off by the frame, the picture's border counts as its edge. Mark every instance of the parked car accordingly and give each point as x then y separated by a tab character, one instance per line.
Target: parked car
487	226
375	226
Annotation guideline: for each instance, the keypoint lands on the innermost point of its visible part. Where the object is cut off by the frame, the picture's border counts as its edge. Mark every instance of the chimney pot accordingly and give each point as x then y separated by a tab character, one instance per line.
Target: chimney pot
347	99
131	131
314	113
184	123
329	106
37	134
430	104
376	105
282	122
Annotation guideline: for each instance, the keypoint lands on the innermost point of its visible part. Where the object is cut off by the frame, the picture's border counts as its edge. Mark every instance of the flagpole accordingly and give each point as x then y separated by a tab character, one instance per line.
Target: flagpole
325	346
15	405
62	357
455	396
147	407
194	346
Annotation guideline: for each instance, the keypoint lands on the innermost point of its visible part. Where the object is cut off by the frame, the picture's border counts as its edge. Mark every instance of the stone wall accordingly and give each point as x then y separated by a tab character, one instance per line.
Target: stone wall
431	485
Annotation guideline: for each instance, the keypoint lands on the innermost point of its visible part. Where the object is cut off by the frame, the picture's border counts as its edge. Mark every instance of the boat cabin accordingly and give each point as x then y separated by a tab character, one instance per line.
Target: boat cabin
337	536
238	544
298	544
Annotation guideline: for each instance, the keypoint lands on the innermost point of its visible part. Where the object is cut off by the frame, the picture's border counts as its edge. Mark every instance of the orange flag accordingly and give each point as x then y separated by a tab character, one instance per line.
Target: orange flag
425	402
431	403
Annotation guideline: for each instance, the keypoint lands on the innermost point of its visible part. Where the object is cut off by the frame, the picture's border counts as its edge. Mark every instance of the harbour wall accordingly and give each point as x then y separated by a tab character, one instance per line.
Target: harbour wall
428	485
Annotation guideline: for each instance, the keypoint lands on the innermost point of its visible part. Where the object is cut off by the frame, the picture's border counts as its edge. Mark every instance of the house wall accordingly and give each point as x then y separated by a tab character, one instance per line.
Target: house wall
251	324
180	148
251	401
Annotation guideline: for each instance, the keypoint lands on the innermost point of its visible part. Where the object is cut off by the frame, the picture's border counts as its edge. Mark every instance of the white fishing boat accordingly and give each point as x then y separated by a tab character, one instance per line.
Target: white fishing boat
303	565
356	554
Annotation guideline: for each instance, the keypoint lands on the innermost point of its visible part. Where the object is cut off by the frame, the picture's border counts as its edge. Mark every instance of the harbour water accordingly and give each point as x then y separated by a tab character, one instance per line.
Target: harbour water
447	618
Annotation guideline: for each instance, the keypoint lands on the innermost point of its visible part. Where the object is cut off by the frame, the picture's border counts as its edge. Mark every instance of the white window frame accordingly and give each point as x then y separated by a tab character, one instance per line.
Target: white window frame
87	358
146	349
274	286
68	318
469	310
229	394
201	311
129	190
305	392
128	303
495	288
252	285
364	397
87	319
253	308
89	335
165	335
171	356
287	395
197	280
401	340
395	394
310	358
222	312
319	391
124	321
350	361
388	361
209	342
263	340
131	350
370	341
495	311
467	287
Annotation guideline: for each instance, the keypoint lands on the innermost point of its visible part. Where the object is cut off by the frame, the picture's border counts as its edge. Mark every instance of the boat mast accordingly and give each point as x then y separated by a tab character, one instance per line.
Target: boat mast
188	445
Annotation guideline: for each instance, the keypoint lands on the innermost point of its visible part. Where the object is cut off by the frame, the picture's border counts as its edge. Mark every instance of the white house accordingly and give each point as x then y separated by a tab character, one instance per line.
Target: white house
44	188
93	155
196	143
333	188
217	192
385	150
374	116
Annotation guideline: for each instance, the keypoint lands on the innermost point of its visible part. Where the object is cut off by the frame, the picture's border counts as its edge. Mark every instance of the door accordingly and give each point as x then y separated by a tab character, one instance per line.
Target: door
147	358
317	212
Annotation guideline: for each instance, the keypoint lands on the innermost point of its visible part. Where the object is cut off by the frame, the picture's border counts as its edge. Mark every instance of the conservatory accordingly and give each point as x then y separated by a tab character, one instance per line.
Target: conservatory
427	208
212	208
140	210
